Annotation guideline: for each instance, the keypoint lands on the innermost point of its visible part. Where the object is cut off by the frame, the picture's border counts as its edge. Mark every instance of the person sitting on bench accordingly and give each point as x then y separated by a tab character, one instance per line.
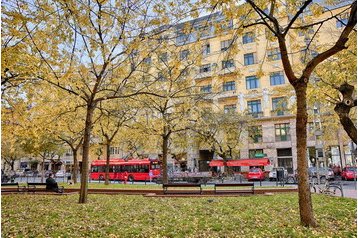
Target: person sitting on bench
51	184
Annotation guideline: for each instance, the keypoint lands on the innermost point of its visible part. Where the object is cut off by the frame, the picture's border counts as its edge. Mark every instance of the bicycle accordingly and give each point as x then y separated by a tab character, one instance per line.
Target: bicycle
331	189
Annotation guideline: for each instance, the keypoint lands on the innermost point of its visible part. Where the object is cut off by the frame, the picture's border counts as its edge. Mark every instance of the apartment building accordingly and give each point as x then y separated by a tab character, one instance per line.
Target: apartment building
250	80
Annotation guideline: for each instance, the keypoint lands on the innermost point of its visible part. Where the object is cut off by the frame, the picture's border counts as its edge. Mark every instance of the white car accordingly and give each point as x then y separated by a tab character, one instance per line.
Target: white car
60	174
273	173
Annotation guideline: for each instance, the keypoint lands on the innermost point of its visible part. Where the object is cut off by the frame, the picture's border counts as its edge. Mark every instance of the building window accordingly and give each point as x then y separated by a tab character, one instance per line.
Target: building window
254	107
114	150
181	38
255	134
184	54
206	49
342	22
252	82
274	54
147	60
229	86
277	78
161	77
225	44
279	105
206	89
205	68
248	38
163	57
226	24
305	32
282	132
203	30
229	108
249	59
69	152
227	64
252	153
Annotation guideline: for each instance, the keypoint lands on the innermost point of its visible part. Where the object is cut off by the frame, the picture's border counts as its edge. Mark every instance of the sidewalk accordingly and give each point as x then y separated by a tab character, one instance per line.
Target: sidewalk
350	193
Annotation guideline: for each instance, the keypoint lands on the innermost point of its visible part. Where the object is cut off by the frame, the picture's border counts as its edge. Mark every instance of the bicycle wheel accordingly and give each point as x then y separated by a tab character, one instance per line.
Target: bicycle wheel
335	191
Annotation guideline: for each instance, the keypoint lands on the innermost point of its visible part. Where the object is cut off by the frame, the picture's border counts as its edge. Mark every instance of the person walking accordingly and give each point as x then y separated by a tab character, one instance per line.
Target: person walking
150	175
125	177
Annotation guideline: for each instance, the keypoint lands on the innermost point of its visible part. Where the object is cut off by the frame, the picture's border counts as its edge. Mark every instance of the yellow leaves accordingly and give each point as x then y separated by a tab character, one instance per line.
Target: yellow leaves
316	9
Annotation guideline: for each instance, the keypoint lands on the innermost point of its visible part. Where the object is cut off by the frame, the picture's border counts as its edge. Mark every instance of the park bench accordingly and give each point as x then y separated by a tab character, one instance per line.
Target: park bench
33	187
20	188
228	188
198	189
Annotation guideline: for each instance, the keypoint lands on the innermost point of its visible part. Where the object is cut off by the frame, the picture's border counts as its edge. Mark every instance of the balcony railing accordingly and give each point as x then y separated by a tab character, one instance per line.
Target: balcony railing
256	114
283	138
275	113
226	94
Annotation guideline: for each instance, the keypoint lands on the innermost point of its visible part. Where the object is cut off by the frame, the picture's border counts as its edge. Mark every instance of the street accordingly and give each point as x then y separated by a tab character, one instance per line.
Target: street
349	187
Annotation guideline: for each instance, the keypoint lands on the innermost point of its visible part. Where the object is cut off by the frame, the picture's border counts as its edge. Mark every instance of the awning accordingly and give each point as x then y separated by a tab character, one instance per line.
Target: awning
216	163
248	162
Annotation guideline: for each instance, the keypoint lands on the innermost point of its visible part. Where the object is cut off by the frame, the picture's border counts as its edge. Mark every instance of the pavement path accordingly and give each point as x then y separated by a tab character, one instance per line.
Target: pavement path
349	187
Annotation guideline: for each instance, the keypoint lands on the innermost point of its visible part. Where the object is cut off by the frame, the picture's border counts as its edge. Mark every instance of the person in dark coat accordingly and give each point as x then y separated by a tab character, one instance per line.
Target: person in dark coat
51	183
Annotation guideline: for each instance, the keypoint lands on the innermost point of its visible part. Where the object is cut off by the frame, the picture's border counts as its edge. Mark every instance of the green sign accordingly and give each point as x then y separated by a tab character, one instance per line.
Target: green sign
260	155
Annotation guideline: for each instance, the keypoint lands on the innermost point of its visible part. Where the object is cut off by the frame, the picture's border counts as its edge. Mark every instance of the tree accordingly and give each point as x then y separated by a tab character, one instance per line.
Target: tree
176	108
112	118
11	133
222	132
70	132
85	48
337	78
283	20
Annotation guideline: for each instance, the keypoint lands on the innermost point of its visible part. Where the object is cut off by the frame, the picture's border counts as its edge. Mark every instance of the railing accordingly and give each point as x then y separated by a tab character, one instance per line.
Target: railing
256	114
275	113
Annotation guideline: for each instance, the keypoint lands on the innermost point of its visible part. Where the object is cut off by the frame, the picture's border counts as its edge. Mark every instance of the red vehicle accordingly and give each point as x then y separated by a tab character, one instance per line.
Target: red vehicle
137	169
256	174
349	173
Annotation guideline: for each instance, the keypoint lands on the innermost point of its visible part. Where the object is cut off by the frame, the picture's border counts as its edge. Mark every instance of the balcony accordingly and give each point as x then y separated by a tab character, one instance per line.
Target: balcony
203	75
277	113
282	138
256	114
226	94
228	70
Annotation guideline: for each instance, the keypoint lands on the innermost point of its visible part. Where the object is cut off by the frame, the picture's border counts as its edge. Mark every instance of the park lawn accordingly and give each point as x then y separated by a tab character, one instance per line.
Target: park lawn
26	215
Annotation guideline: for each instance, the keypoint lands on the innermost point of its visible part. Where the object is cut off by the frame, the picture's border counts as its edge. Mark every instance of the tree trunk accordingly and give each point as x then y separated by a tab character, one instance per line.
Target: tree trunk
75	166
165	138
304	194
85	158
12	164
108	144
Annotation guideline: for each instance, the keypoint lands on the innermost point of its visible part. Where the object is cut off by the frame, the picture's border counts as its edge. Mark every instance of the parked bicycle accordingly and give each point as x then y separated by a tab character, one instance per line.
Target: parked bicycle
331	189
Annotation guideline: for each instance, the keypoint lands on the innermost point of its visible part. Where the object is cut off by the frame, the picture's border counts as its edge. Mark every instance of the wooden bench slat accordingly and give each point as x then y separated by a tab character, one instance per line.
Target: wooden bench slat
252	185
182	185
31	187
20	188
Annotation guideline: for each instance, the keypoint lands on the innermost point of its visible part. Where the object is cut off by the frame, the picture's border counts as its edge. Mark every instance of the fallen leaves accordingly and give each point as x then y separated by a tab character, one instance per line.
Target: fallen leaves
138	216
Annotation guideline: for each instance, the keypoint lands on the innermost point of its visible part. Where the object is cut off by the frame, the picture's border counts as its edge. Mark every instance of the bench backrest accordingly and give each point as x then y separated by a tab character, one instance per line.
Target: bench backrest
9	184
36	184
234	184
182	185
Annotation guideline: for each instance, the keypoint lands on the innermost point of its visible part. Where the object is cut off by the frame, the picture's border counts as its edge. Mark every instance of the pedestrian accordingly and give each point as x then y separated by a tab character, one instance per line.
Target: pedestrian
150	175
125	177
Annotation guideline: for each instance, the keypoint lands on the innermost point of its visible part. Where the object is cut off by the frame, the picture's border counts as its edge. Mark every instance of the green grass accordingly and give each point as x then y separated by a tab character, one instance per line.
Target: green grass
137	216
